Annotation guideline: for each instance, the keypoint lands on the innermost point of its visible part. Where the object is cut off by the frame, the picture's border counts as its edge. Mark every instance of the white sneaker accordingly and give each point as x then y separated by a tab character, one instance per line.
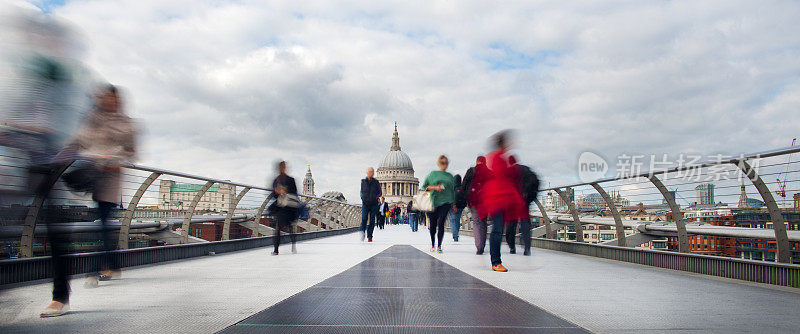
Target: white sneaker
50	312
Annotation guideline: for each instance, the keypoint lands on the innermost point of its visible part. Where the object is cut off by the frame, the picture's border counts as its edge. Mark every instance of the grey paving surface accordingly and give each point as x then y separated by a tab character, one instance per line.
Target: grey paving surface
206	295
404	290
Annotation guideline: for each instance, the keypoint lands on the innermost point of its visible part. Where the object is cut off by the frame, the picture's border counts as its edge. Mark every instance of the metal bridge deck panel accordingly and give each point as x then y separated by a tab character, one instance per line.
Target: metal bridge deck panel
403	290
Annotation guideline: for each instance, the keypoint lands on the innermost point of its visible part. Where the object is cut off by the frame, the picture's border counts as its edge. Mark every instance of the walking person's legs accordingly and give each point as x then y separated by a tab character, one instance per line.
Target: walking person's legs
108	264
292	236
364	216
455	223
276	237
525	235
478	231
442	214
511	236
432	229
494	242
58	241
373	212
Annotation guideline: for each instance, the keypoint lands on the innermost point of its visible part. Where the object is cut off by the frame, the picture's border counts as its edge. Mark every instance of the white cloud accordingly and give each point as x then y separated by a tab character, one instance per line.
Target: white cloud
226	87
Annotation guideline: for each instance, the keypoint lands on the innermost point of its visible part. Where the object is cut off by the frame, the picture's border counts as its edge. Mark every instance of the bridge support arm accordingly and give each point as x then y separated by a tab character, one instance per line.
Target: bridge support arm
620	241
680	224
575	218
125	223
188	218
781	238
226	227
548	229
260	214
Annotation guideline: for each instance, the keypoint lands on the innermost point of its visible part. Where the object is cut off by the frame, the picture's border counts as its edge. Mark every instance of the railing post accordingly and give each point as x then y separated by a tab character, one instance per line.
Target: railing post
575	218
26	241
187	220
614	212
226	227
680	224
125	223
548	229
781	238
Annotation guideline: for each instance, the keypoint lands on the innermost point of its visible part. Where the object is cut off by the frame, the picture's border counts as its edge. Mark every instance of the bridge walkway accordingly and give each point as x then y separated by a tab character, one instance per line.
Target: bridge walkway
395	285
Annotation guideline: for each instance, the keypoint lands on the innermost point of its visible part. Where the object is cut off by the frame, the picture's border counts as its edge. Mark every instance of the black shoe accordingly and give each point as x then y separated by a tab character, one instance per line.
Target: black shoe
480	252
527	252
513	251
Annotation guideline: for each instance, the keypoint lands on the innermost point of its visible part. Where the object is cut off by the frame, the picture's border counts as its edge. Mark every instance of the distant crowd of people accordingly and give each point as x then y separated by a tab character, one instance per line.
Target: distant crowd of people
497	191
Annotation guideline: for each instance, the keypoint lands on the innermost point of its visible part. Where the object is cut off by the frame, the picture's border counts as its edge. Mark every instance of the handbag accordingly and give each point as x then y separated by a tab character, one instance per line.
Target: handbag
288	201
83	177
423	202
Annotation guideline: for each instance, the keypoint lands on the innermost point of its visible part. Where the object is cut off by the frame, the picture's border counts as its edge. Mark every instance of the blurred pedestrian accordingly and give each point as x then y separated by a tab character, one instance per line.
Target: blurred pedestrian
285	208
529	187
39	111
442	187
107	139
500	195
456	210
370	193
382	208
412	217
470	190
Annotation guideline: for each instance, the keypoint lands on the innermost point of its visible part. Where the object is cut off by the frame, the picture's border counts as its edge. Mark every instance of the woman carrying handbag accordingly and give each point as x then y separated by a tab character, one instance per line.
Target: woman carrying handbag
441	185
285	208
107	140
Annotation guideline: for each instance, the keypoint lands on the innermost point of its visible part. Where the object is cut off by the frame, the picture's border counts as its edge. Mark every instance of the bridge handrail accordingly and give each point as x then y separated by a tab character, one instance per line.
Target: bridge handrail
781	237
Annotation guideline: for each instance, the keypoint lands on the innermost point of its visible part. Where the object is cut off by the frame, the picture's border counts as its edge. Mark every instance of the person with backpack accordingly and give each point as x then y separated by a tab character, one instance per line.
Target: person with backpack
470	189
500	196
528	184
457	210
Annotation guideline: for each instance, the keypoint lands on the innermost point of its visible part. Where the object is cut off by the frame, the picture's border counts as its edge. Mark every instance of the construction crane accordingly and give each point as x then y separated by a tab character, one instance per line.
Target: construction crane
782	184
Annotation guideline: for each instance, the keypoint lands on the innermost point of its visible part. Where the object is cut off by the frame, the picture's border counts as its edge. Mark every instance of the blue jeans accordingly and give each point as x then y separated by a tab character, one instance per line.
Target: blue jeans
369	212
412	220
455	222
496	238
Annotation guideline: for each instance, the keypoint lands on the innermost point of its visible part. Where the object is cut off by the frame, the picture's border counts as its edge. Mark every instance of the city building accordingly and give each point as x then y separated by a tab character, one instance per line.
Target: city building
396	174
797	202
705	194
591	202
758	249
308	183
178	196
550	201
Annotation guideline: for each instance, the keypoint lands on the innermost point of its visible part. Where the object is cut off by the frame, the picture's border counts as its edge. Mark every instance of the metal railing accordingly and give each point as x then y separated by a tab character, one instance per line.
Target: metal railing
329	214
743	163
631	232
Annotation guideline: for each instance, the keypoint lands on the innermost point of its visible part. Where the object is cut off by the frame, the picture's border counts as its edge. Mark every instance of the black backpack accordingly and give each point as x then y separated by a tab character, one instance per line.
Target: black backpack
530	183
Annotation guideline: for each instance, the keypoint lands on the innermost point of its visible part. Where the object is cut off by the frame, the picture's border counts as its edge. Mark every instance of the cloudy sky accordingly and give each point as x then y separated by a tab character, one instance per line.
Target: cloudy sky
225	88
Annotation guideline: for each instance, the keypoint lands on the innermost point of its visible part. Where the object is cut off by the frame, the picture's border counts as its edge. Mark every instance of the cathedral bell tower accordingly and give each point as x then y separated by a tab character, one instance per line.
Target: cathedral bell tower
308	183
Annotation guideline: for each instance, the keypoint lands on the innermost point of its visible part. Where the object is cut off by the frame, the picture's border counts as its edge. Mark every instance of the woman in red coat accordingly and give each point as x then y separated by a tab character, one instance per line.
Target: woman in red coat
500	197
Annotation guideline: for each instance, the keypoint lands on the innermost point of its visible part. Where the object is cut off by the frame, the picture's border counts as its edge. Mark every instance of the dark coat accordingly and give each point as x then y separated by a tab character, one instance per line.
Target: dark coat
370	191
284	215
